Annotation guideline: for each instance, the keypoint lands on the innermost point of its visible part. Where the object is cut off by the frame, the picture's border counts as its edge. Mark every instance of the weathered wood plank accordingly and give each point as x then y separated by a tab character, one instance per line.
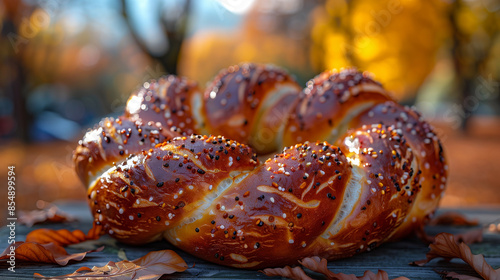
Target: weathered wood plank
391	257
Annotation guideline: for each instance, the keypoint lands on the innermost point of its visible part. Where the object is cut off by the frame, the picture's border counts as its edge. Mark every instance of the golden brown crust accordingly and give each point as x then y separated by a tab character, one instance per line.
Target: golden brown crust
250	103
425	144
327	104
167	101
210	197
139	199
111	141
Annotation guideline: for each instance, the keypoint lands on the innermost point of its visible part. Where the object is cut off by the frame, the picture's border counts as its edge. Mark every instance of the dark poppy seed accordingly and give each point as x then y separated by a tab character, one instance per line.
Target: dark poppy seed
166	165
132	190
299	215
160	184
221	258
260	223
139	215
257	245
236	198
158	218
231	216
201	171
213	222
177	180
197	229
124	189
216	255
121	153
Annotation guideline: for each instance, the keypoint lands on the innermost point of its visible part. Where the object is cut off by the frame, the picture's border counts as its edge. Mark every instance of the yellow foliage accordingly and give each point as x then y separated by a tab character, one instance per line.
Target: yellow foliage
397	40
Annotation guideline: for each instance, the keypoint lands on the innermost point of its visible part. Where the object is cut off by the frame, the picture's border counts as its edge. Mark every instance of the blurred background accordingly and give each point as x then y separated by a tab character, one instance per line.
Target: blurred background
66	64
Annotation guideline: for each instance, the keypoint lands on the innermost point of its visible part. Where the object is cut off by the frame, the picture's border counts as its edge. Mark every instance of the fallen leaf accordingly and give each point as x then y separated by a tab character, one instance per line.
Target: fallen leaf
422	235
151	266
48	214
44	253
453	275
453	219
320	265
468	237
445	246
62	237
95	232
288	272
121	254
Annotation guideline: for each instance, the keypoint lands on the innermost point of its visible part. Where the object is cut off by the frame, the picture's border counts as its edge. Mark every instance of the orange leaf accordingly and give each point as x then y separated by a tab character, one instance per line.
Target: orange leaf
453	219
95	232
445	246
44	253
50	214
62	237
151	266
288	272
320	265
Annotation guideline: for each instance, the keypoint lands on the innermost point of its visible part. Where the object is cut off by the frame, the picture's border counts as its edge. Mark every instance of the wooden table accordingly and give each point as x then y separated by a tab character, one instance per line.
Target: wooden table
391	257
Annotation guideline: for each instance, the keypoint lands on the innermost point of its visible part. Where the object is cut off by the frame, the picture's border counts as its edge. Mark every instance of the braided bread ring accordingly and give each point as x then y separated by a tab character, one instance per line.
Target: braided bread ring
210	196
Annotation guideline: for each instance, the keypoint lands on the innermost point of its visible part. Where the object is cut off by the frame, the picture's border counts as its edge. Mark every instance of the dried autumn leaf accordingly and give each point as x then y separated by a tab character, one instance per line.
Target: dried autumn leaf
468	237
320	265
151	266
62	237
445	246
288	272
44	253
51	214
95	232
453	219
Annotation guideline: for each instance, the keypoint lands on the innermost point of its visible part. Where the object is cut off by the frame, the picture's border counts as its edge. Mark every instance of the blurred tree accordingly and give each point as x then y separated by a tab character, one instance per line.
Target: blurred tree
399	41
174	28
13	73
475	30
